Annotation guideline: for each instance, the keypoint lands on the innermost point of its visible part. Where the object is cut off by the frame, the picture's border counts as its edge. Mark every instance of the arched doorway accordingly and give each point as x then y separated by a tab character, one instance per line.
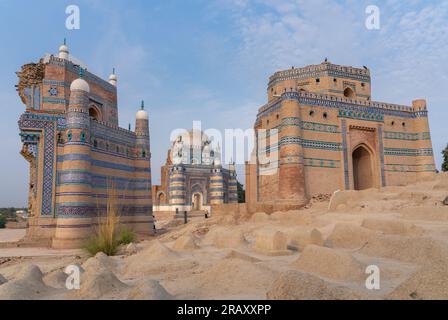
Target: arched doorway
197	201
93	113
362	168
349	93
161	199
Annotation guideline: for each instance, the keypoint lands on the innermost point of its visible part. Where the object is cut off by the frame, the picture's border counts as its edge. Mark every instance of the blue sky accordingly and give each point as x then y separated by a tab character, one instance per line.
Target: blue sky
210	60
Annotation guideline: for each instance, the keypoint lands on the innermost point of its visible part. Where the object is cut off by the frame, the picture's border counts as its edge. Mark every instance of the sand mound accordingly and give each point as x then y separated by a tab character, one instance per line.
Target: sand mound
349	235
342	199
272	242
233	276
259	217
239	255
27	285
2	280
227	220
425	213
297	285
56	279
155	259
156	251
329	263
300	238
391	226
297	217
419	250
185	242
228	238
427	283
149	290
99	284
98	262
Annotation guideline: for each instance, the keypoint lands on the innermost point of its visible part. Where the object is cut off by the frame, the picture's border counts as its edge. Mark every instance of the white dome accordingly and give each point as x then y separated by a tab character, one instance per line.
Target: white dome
80	84
113	77
141	115
63	48
217	161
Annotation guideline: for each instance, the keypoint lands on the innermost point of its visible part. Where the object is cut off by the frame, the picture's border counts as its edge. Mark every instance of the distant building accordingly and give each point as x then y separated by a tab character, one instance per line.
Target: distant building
78	153
325	133
193	177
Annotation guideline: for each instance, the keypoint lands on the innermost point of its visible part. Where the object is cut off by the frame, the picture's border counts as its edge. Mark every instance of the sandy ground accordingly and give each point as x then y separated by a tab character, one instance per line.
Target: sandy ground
11	235
321	252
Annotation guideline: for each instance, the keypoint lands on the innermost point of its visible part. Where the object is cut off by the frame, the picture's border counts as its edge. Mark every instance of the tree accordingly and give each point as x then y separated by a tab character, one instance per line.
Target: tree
445	159
241	193
2	221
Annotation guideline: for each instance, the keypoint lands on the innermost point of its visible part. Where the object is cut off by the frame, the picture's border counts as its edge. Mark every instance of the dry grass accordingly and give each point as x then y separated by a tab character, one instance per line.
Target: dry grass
108	235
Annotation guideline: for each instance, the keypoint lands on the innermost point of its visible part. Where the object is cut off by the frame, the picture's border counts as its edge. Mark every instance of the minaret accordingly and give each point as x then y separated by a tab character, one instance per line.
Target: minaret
216	183
233	184
142	131
425	160
143	163
75	206
63	51
177	189
113	78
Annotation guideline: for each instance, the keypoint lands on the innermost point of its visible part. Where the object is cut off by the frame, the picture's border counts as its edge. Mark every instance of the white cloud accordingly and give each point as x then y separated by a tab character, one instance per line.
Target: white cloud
406	56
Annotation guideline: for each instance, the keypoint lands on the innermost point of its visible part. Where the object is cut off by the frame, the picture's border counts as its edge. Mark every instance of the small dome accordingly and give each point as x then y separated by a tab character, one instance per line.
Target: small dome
141	115
80	84
63	48
113	76
217	162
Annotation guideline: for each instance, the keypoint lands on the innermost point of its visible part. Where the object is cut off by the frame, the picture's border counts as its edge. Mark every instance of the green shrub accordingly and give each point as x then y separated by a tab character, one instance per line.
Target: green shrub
126	236
100	244
2	221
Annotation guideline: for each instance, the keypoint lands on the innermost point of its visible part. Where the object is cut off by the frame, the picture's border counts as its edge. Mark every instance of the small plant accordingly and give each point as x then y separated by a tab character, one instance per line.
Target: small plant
106	237
126	236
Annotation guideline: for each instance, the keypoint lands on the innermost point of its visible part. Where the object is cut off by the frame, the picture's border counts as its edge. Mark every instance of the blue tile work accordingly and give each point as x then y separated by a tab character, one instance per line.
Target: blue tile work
368	109
47	124
320	127
408	152
381	147
344	151
307	144
394	135
99	163
321	163
360	115
80	209
399	167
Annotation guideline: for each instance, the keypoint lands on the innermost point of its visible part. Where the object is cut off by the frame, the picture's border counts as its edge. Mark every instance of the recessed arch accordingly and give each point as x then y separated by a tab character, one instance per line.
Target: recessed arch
362	161
94	113
161	198
349	93
197	200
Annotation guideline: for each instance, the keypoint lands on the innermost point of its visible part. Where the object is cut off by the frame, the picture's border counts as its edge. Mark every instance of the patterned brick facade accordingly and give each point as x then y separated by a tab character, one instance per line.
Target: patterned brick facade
324	133
78	154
